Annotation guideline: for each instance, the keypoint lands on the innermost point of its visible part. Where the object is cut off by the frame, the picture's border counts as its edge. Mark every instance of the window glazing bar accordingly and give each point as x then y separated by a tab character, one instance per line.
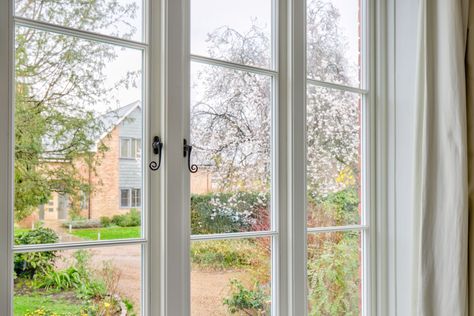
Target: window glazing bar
336	86
48	27
78	245
233	235
231	65
336	228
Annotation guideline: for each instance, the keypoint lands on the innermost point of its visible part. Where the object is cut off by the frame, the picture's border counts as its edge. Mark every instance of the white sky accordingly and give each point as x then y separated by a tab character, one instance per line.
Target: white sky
208	15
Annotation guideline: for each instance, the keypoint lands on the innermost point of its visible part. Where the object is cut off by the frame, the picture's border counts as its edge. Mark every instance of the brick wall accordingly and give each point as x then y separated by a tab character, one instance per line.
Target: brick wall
105	198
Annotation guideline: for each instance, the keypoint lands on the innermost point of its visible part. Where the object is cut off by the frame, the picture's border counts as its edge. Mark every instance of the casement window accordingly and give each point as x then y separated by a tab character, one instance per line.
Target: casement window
136	198
130	148
125	198
130	198
271	99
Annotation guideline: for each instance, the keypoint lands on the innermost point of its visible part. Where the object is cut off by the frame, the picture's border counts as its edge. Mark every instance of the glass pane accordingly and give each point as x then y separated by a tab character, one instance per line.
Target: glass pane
236	31
74	100
231	135
231	277
124	148
120	18
334	41
333	157
100	281
334	273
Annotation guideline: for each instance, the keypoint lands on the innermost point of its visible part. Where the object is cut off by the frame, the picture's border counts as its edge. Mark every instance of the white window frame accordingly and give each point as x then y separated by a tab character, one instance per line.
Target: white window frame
151	46
167	93
133	147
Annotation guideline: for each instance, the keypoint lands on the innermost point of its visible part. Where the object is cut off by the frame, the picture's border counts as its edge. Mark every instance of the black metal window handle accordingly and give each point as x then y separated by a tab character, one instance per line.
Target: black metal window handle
187	149
157	146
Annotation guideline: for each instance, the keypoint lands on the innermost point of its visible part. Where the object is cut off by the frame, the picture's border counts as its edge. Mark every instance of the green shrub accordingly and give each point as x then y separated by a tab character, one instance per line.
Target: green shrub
228	254
334	209
131	219
105	221
77	276
26	265
253	301
229	212
334	274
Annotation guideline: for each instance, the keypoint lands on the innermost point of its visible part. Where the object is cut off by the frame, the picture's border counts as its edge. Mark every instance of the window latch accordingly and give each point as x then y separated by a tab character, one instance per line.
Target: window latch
187	149
157	146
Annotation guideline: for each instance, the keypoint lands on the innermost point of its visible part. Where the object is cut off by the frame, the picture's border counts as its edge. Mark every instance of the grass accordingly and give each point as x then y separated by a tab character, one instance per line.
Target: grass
108	233
29	303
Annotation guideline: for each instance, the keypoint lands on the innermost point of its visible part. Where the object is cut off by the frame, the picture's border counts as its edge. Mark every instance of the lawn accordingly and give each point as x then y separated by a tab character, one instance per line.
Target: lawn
108	233
29	303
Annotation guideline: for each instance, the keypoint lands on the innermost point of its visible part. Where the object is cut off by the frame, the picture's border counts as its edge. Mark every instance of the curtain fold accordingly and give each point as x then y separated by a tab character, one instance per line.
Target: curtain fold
444	160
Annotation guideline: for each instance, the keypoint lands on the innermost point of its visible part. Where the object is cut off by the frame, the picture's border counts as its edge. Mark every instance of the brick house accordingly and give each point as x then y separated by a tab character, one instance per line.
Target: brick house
116	181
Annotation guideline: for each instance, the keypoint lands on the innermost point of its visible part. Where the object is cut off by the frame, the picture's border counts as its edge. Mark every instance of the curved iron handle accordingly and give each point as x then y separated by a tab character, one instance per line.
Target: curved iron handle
187	149
157	146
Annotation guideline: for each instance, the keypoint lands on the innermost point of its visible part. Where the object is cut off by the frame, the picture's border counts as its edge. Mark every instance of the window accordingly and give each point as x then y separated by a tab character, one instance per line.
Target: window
130	198
125	148
125	198
79	70
278	109
136	198
130	148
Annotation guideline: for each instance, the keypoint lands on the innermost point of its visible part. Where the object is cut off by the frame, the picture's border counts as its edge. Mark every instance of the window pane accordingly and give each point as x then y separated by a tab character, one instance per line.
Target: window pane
236	31
125	197
231	135
125	148
231	276
74	100
334	41
333	157
99	281
110	17
334	273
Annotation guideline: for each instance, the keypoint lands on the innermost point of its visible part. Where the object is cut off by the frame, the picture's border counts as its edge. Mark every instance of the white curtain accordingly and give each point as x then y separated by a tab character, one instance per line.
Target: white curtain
444	166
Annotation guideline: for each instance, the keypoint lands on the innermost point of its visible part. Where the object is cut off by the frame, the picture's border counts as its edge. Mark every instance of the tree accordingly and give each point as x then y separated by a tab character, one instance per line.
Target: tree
231	110
59	80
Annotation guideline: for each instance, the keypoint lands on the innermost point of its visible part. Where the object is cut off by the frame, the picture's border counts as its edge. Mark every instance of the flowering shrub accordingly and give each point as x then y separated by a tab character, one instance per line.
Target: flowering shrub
229	212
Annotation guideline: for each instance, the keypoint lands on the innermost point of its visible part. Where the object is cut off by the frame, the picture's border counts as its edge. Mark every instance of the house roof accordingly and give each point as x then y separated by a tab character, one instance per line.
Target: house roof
115	117
108	121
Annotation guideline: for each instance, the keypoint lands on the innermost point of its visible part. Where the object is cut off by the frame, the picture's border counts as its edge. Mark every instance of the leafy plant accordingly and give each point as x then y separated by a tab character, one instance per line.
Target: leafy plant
105	221
334	274
26	265
253	301
225	254
131	219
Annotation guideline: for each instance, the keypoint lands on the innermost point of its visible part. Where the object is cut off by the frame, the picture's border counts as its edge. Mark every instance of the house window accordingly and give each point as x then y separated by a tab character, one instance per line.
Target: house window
124	198
130	148
136	198
125	151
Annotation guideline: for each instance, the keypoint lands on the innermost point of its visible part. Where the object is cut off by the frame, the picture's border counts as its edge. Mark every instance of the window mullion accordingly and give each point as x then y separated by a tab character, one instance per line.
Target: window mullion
6	154
297	157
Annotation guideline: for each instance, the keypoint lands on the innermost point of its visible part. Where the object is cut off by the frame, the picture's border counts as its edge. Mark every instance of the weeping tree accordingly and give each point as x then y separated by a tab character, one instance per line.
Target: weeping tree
59	81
